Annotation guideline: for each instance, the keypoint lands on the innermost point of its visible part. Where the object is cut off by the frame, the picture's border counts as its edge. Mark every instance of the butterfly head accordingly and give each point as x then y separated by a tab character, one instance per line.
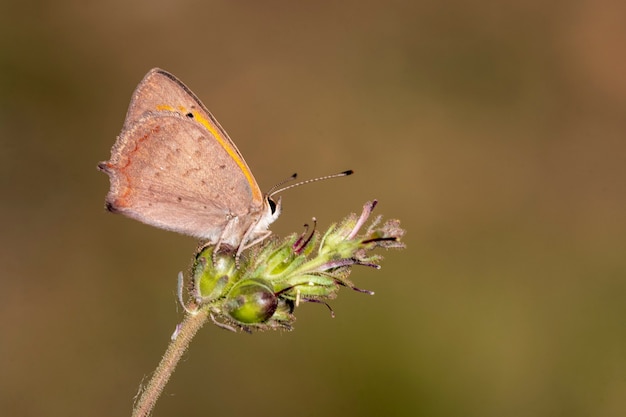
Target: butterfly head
271	211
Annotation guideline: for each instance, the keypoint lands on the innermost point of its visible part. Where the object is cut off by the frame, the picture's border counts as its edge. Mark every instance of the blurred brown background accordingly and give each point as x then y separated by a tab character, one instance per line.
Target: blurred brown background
494	130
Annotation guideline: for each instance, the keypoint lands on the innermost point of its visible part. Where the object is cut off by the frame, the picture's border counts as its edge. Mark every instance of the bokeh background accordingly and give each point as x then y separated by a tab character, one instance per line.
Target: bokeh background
494	130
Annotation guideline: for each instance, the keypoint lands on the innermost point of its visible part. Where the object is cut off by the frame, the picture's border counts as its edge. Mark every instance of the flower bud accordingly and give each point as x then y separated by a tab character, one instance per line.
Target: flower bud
251	301
211	274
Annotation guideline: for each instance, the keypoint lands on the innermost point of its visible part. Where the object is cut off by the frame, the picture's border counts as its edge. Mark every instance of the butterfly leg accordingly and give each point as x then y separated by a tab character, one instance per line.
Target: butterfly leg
232	221
245	245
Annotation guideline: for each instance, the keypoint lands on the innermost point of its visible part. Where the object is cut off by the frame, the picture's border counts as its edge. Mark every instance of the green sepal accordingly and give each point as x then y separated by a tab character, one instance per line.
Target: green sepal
211	275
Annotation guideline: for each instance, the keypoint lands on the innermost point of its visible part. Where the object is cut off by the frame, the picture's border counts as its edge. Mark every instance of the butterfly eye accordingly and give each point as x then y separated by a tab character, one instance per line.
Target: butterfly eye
272	204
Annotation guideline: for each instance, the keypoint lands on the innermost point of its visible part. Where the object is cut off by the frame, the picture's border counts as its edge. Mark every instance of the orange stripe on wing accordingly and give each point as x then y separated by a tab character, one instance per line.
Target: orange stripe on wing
232	152
226	144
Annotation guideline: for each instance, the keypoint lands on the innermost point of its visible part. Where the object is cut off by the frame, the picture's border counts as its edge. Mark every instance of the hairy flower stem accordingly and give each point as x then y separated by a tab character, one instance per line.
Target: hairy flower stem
185	332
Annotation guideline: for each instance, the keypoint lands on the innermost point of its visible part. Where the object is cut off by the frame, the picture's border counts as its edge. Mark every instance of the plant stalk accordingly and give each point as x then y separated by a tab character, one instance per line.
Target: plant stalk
186	331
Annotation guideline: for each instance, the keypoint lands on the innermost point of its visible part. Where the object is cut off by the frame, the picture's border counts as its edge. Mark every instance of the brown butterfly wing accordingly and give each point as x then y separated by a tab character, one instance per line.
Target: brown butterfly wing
170	172
159	90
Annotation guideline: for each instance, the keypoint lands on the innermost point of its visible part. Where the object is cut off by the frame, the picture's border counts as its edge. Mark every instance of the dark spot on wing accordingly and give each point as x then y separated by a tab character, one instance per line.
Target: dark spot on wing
190	172
189	115
105	167
222	166
179	199
110	207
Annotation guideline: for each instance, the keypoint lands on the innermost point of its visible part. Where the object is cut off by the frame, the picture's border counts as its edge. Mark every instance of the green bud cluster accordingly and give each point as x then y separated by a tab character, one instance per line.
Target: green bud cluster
262	290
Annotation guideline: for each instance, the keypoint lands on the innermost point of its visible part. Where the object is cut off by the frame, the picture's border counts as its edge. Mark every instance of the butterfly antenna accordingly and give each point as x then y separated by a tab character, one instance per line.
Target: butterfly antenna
280	184
275	189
